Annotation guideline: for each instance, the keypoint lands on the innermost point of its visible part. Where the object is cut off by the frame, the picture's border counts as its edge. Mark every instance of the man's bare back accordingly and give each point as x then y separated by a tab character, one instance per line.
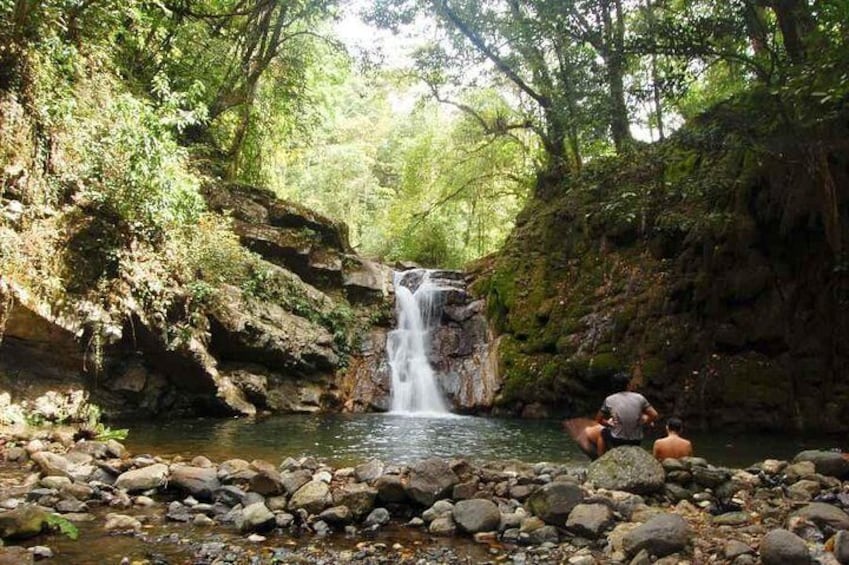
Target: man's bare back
672	447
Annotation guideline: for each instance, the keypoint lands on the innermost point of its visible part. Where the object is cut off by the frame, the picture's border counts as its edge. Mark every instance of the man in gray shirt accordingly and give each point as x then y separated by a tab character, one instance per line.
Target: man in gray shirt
623	415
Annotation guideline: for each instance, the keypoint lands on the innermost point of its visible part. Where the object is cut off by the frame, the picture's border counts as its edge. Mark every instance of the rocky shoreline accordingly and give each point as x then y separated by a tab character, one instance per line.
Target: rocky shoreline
623	508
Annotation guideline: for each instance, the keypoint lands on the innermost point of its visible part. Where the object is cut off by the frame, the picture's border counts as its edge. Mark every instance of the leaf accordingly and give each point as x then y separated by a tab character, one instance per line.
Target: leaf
64	526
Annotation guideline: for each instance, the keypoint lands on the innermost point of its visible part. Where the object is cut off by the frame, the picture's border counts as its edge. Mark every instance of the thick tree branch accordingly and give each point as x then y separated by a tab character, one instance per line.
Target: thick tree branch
490	54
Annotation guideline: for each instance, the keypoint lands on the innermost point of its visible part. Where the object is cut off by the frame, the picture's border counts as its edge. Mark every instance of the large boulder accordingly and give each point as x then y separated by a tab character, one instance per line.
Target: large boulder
477	515
358	497
312	497
781	547
661	535
146	478
430	480
554	501
829	463
200	482
629	469
25	521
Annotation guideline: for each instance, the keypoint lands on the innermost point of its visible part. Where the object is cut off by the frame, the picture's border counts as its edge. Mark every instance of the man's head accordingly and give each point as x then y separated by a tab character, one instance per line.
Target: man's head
621	381
675	425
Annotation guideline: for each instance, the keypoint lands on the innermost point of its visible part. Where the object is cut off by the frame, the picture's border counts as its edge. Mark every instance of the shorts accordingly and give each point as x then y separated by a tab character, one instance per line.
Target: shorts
611	441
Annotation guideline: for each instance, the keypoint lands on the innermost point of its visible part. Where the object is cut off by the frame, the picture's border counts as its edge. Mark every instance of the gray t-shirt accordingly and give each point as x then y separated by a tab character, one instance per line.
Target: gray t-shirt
625	409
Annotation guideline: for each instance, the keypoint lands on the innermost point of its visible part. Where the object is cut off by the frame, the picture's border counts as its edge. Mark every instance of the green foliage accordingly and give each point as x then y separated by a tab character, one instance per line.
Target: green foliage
63	525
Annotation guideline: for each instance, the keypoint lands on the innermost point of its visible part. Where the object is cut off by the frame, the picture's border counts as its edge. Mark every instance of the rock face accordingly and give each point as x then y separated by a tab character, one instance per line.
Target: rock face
627	468
727	319
273	349
463	352
311	245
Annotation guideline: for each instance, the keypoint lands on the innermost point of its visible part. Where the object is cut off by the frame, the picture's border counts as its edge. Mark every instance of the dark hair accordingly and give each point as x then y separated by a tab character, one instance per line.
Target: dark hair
621	380
675	424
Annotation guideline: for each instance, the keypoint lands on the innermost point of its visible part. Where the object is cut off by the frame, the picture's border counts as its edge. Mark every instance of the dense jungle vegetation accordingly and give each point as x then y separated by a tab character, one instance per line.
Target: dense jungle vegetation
114	115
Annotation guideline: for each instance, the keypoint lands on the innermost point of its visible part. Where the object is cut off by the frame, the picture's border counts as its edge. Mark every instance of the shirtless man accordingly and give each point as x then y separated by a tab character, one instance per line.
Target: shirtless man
673	446
586	433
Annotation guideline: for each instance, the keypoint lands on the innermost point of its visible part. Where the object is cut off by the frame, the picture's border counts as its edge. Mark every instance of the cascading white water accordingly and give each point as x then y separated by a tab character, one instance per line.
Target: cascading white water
414	387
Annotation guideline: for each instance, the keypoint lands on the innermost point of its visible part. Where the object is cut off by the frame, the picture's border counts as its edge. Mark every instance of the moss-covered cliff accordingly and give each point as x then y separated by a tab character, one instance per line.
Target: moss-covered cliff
711	265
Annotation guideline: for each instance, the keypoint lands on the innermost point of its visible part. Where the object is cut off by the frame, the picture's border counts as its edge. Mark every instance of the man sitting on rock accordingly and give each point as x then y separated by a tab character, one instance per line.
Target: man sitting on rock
673	446
628	412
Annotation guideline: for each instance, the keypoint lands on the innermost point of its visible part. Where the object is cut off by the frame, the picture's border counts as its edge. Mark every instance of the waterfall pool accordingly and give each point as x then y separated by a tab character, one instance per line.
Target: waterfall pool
348	439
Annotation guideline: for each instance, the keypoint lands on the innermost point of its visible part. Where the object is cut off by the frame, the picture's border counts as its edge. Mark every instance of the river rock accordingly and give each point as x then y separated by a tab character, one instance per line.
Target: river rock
799	470
254	518
554	501
439	508
358	497
829	463
841	547
229	495
369	471
312	497
589	520
477	515
55	482
430	480
825	516
146	478
377	517
734	548
23	522
52	463
443	526
267	482
781	547
710	477
390	488
337	515
294	480
628	468
121	522
661	535
200	482
804	489
16	555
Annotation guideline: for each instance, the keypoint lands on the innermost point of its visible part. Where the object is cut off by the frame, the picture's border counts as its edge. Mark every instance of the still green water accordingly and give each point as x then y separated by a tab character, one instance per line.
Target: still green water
347	439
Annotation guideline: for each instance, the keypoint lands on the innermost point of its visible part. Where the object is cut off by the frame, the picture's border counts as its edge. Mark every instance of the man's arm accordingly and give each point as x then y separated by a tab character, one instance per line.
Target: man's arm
649	415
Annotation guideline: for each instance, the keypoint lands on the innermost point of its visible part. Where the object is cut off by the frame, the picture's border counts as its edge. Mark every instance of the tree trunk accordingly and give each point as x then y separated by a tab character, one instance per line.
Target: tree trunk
794	19
656	95
614	58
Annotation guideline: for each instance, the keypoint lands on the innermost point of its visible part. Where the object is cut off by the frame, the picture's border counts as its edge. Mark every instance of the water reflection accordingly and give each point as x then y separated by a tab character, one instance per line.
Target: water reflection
345	439
348	439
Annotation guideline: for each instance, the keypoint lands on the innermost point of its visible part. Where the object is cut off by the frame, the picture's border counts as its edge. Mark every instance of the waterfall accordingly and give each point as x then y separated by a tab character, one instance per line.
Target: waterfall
418	311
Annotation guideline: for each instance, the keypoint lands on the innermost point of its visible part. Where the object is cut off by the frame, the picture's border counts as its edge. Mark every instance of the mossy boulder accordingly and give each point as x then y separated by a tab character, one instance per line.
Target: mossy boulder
629	469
